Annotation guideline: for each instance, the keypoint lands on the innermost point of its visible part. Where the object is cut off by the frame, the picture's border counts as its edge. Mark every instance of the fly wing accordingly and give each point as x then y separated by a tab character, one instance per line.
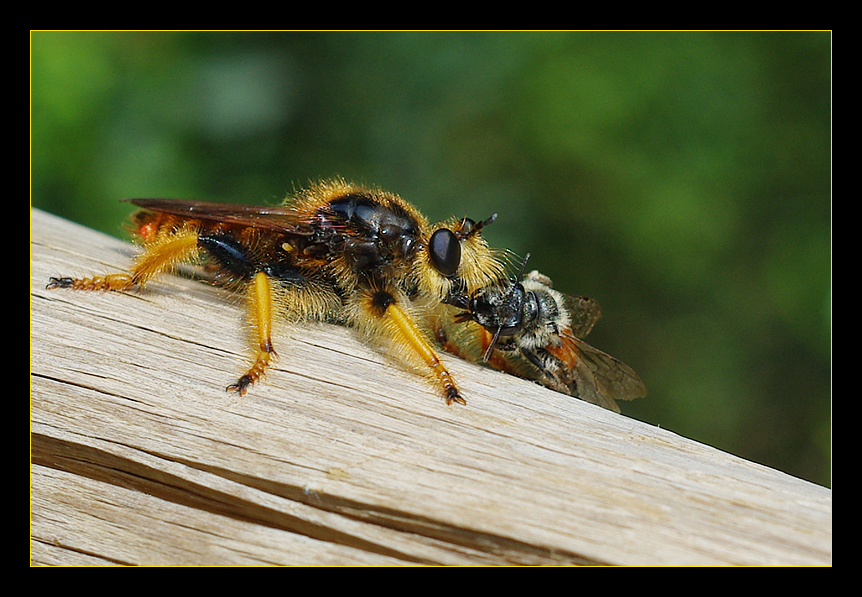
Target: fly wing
277	218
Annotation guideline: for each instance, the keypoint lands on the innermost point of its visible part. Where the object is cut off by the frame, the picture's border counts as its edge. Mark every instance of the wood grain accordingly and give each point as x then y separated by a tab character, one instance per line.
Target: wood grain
139	456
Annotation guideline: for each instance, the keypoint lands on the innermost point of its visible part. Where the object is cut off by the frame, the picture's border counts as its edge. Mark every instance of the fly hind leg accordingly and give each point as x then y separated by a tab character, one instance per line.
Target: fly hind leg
157	258
108	282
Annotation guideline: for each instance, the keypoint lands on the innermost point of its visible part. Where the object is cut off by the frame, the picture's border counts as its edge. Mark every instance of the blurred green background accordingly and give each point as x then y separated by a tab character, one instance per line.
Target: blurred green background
683	179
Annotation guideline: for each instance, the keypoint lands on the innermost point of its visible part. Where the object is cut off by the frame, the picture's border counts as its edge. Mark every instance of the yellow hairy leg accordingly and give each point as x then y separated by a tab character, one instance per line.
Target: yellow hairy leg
260	313
157	258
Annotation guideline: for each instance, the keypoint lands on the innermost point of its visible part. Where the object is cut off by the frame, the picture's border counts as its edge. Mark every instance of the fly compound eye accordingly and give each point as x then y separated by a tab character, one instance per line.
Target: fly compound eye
445	251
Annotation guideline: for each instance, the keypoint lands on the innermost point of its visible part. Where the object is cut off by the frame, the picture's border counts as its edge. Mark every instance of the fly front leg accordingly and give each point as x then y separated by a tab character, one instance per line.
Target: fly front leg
388	317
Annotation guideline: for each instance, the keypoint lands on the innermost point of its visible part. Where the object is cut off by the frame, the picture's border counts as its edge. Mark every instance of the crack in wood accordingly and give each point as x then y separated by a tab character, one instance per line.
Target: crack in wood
104	466
100	465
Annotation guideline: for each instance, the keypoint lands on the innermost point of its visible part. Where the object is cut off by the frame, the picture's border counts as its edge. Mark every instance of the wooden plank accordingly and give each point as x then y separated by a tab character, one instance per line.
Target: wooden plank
139	456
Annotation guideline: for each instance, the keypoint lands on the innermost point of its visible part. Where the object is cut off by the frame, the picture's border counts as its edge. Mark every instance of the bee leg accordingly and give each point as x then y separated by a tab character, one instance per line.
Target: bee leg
443	340
549	367
408	335
260	312
157	258
494	360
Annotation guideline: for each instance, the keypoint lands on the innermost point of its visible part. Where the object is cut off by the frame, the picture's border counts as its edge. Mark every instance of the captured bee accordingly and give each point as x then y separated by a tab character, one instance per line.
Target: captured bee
336	252
528	329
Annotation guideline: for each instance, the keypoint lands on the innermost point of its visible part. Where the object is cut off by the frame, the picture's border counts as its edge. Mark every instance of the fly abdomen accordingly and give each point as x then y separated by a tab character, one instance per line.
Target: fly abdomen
229	253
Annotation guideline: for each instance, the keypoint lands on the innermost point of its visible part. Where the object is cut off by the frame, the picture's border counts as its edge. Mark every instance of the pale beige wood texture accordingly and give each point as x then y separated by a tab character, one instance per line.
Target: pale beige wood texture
139	456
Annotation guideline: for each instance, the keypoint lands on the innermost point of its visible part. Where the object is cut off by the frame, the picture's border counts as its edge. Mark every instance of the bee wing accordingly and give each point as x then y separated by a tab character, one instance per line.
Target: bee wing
278	218
585	312
598	377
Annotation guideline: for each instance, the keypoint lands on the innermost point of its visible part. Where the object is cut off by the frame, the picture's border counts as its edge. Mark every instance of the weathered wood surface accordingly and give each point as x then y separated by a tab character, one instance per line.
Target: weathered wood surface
139	456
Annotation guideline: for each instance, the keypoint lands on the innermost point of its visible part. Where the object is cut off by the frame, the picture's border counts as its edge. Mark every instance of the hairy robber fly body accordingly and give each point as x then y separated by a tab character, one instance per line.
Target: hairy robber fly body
336	252
528	329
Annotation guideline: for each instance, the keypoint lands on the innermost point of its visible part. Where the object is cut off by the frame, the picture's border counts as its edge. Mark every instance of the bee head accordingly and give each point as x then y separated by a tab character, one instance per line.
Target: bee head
499	310
502	309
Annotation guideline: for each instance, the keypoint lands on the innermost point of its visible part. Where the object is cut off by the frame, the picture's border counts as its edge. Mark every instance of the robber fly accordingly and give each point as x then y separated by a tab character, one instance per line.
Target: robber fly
335	252
527	328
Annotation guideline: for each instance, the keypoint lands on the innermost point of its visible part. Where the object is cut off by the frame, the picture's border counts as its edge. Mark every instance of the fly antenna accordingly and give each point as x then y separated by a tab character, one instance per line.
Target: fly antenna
477	227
